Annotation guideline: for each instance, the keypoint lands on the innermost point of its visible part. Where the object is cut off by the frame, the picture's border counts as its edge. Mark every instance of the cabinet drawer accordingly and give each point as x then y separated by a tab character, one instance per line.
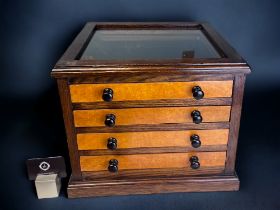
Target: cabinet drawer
132	116
152	161
149	91
99	141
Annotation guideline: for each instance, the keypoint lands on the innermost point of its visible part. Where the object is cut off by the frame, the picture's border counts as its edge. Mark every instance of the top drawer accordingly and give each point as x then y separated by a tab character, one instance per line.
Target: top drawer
149	91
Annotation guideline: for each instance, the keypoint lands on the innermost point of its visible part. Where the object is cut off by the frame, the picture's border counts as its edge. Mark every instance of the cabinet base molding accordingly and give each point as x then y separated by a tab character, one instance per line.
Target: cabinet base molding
77	189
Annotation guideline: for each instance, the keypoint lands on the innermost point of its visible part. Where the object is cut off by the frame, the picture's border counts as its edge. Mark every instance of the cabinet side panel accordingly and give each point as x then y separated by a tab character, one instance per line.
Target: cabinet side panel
65	100
238	90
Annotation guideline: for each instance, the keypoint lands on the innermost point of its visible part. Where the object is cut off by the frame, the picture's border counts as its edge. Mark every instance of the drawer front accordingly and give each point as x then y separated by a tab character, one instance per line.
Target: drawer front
149	91
152	161
132	116
97	141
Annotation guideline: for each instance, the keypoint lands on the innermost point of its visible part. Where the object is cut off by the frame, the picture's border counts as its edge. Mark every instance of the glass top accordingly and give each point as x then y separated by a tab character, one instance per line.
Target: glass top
148	44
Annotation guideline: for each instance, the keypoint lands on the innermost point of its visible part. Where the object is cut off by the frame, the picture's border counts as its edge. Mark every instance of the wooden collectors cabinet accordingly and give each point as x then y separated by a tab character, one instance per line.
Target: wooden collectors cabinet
151	108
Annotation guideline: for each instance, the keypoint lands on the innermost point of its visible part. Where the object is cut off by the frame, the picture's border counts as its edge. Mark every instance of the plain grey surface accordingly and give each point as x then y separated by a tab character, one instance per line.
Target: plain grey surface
34	34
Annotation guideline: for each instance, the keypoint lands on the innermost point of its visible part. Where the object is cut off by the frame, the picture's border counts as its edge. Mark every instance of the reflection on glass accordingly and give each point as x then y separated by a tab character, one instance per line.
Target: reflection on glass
146	44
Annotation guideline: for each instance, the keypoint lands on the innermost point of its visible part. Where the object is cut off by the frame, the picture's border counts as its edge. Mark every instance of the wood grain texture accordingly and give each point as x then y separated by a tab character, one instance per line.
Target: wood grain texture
78	44
151	186
220	42
90	26
155	127
97	141
65	100
149	91
153	150
134	116
238	91
153	103
149	161
149	77
69	67
195	67
70	71
97	176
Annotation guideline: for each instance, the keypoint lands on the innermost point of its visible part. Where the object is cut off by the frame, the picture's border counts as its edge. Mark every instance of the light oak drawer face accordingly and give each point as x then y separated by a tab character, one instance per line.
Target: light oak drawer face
132	116
152	161
97	141
149	91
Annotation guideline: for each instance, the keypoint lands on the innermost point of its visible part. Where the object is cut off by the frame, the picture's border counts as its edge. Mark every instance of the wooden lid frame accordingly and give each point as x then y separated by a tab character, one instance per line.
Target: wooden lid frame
69	64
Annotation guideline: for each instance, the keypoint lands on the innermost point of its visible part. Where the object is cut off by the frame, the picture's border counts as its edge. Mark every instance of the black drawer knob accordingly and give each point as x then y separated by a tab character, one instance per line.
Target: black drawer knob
112	143
113	165
194	162
196	116
197	92
195	141
110	120
108	94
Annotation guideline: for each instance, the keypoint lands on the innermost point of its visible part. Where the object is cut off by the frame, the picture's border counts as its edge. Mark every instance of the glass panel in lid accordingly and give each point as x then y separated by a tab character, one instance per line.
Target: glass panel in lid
148	44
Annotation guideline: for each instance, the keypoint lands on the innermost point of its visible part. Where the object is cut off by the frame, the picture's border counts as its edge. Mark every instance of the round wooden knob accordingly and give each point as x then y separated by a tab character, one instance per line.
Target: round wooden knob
194	162
110	120
195	141
197	92
113	165
112	143
108	94
197	118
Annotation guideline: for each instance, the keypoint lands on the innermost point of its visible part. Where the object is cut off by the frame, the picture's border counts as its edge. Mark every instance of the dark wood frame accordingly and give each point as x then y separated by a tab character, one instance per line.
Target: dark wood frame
70	65
78	189
70	69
